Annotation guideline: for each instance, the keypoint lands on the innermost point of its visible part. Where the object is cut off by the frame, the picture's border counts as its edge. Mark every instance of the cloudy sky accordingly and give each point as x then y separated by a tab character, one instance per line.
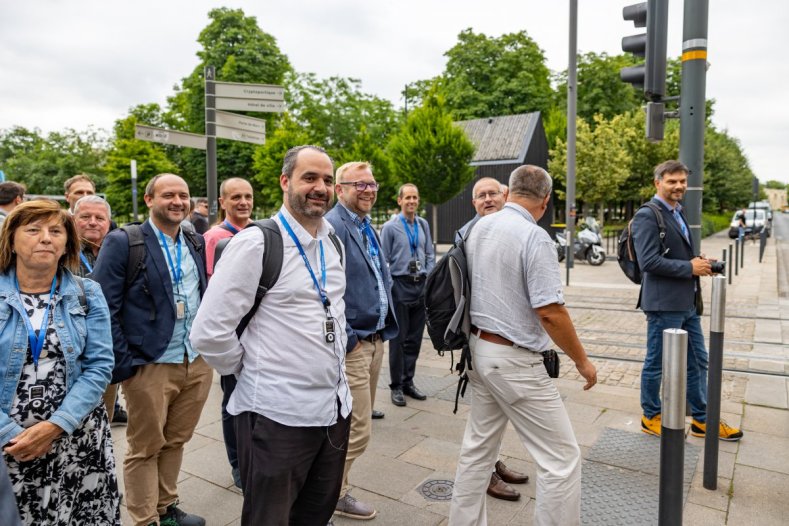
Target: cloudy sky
78	63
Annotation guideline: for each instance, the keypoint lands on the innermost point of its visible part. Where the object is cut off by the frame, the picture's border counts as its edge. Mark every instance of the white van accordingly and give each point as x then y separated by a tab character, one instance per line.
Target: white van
755	222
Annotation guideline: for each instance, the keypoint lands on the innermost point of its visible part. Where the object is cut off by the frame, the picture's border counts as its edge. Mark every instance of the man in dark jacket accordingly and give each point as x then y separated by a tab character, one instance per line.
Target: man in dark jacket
670	291
165	381
368	311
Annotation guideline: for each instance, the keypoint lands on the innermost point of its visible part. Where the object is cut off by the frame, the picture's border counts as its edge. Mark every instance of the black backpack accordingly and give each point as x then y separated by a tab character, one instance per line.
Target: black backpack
626	253
447	300
272	262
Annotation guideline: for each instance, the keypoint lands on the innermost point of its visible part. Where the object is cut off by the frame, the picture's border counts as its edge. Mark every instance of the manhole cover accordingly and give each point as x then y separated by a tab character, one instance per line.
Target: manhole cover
437	489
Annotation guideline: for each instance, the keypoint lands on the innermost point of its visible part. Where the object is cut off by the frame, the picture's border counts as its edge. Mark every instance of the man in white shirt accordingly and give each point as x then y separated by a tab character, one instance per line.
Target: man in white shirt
292	403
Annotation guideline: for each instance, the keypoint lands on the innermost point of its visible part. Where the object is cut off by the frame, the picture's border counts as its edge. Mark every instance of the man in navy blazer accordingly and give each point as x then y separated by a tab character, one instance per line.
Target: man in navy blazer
670	293
165	382
368	311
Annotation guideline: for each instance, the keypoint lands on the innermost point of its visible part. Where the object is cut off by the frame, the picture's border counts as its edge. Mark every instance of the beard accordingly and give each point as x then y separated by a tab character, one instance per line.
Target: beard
300	204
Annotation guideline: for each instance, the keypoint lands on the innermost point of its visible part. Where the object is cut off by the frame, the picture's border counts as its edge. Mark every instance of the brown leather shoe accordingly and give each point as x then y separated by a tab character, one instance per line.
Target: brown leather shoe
509	476
498	489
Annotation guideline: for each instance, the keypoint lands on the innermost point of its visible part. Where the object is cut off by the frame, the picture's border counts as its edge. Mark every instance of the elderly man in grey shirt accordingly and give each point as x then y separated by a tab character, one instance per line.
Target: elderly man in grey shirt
516	309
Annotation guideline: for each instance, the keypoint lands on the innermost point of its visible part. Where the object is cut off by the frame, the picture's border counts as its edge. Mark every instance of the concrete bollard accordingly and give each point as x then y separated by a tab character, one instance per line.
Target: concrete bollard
672	432
717	322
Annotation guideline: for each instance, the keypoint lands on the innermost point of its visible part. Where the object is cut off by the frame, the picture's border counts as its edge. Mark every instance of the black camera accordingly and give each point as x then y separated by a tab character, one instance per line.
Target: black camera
414	266
718	267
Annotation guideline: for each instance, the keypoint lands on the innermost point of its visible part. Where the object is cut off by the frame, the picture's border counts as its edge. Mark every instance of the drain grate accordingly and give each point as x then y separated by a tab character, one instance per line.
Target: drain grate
437	489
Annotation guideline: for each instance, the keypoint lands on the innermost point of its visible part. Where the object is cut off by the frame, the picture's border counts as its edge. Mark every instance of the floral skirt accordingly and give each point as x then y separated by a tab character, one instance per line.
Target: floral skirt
75	483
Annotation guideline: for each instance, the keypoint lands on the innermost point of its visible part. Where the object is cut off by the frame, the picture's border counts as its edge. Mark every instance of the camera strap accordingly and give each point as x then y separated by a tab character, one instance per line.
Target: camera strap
413	237
37	339
323	296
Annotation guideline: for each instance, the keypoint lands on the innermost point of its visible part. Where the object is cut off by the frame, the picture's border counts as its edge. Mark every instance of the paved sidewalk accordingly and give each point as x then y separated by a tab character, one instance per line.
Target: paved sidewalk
419	443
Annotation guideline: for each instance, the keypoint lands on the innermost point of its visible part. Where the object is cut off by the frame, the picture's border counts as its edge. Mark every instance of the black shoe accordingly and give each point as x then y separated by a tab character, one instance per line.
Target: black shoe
120	416
414	393
377	415
177	517
397	397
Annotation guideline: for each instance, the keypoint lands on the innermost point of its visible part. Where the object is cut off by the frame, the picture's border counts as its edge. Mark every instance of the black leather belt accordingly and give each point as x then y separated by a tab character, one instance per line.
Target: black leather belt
373	337
412	278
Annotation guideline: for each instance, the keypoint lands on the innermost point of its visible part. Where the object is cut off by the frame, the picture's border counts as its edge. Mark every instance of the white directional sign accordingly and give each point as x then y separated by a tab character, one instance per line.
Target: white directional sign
250	105
237	90
176	138
234	134
240	122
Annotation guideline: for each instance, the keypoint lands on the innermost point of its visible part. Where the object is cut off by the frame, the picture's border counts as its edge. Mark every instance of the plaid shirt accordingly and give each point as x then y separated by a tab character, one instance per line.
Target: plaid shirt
374	251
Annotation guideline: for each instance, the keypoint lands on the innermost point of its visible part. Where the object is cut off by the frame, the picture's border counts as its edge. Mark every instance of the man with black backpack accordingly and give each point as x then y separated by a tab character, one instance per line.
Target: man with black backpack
153	276
517	307
671	297
292	401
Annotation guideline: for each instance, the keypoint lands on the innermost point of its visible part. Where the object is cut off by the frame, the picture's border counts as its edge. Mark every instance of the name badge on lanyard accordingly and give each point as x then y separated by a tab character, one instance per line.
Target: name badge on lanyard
329	334
37	339
180	306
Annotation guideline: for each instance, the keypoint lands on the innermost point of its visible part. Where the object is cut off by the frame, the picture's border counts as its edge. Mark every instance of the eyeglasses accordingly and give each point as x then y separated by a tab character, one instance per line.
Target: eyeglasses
361	186
484	195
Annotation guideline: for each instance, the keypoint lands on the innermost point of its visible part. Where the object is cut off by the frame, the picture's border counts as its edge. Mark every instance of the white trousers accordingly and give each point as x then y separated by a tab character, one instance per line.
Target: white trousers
511	384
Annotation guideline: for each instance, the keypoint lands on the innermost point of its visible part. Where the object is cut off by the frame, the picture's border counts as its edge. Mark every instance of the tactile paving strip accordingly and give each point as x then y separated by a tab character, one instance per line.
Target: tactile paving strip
620	482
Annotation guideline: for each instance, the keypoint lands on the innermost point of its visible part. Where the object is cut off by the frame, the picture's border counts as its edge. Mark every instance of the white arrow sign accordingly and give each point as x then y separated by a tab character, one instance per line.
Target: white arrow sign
238	90
176	138
266	106
240	122
234	134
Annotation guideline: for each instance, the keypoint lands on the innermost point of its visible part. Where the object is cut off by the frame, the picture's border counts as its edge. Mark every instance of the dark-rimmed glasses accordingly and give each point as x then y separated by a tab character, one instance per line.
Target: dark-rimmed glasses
361	186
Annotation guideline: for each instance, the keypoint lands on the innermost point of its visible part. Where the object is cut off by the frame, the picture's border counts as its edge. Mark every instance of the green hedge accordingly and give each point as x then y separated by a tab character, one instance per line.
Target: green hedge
713	223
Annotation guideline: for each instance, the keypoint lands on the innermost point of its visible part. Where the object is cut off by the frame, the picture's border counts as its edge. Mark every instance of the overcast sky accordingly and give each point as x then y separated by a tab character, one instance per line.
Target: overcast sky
77	63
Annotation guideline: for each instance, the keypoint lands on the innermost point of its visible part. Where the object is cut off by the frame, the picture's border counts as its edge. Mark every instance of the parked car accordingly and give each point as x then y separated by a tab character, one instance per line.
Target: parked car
755	222
763	205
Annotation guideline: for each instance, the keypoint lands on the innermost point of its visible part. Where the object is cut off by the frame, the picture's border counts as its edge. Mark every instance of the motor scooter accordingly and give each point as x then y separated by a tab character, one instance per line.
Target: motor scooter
588	244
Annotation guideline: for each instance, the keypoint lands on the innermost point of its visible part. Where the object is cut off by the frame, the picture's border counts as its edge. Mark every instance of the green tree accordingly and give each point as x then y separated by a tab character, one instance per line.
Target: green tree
241	52
433	153
44	163
366	148
491	76
727	174
775	185
602	161
151	160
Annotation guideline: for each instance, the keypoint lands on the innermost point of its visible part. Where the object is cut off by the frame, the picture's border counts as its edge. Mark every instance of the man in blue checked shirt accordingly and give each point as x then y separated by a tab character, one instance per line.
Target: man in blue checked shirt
409	251
369	311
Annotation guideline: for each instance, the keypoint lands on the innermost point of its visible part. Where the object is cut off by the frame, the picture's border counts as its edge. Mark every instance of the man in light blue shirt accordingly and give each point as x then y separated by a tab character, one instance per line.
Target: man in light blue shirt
166	383
408	248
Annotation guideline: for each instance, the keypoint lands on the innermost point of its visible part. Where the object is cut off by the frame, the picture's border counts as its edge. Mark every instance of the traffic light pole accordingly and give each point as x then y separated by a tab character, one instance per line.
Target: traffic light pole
572	98
693	108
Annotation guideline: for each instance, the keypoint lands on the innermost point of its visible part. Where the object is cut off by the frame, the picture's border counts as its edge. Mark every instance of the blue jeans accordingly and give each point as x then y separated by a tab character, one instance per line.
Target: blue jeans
698	361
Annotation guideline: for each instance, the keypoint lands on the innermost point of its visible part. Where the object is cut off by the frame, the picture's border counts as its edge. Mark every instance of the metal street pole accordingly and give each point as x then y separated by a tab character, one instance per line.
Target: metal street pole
715	374
210	151
572	98
134	189
692	109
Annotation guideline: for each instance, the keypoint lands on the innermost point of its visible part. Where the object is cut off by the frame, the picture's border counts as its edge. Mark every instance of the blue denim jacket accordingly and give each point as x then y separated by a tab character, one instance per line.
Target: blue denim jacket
86	343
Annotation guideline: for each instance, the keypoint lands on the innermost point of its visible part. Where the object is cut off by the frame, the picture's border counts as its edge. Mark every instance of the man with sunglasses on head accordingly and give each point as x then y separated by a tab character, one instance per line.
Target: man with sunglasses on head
409	252
368	310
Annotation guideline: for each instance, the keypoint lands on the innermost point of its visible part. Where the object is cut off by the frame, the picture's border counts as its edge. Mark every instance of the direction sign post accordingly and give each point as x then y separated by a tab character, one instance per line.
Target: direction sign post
176	138
134	189
210	132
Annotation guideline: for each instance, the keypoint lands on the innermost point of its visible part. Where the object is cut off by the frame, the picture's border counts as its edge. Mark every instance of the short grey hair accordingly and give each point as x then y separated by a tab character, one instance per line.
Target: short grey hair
669	167
531	182
289	162
96	199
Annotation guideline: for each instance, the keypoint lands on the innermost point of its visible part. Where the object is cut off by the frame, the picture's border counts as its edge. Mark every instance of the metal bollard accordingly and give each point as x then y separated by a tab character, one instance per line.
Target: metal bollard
718	317
762	244
742	252
737	245
672	426
731	259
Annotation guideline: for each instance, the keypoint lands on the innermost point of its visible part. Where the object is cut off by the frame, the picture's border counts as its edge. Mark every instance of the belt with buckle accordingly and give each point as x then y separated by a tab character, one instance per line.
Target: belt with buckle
412	278
490	337
373	337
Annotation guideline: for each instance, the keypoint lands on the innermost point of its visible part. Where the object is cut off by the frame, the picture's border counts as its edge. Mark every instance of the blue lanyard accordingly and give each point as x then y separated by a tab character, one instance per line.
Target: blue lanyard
413	238
176	271
321	290
372	244
85	262
230	227
37	340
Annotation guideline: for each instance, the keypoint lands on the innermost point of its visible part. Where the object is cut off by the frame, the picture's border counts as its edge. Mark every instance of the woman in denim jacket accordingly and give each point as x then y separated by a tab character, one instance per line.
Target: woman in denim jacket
55	362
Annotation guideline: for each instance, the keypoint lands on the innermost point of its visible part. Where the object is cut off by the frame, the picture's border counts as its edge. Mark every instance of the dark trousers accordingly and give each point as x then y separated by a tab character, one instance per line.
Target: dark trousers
291	475
408	297
228	384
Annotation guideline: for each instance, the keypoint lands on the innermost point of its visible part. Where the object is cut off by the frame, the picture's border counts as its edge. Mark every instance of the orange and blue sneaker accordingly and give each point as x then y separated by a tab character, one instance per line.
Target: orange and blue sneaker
725	432
651	426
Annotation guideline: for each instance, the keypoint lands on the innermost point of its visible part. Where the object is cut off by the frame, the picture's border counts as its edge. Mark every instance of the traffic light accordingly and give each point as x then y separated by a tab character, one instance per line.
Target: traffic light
650	76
